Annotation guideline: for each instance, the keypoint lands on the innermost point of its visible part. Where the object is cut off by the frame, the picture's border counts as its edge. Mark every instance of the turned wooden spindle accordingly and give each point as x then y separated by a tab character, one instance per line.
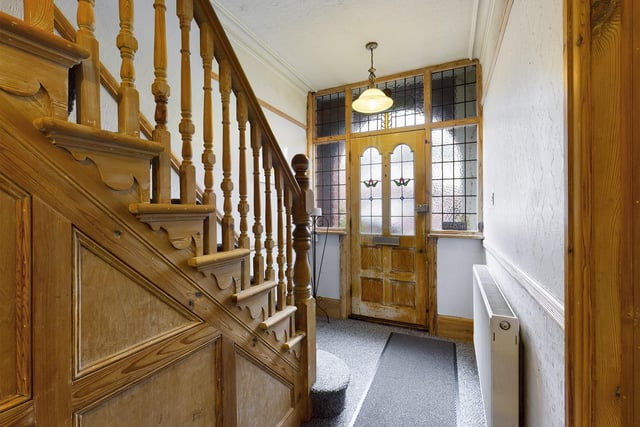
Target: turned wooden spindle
88	72
228	237
289	245
208	157
161	170
282	286
243	206
267	164
186	127
258	259
128	97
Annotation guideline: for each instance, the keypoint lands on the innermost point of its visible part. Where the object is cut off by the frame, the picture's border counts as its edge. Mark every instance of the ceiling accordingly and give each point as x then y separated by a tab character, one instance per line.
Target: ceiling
320	44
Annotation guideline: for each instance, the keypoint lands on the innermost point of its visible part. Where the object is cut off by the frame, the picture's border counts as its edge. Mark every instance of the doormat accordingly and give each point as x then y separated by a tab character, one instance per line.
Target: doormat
415	384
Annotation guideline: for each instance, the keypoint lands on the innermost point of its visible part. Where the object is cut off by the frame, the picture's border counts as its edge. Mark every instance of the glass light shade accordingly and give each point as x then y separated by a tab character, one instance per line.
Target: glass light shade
371	101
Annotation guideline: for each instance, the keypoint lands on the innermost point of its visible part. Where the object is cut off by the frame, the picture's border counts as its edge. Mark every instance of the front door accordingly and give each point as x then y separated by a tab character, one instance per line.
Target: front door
388	227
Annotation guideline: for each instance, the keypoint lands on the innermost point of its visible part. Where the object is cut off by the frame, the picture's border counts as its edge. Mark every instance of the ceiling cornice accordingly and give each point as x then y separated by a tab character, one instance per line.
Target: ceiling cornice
250	42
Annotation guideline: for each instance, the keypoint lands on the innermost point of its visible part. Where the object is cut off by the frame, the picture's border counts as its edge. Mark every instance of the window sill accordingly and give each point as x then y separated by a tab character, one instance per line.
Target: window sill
457	234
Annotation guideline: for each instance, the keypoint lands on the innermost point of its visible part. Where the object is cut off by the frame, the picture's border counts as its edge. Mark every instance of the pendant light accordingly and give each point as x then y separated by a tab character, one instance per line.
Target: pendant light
372	100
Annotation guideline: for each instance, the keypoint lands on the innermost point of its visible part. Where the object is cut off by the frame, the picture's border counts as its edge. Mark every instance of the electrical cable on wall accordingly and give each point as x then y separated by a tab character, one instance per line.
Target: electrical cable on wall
315	214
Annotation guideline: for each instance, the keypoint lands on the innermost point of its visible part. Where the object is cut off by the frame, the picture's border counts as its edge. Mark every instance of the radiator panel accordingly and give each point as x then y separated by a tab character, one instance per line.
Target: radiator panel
496	332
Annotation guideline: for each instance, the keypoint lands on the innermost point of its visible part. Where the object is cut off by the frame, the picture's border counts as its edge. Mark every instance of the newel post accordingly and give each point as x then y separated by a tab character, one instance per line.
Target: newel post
306	313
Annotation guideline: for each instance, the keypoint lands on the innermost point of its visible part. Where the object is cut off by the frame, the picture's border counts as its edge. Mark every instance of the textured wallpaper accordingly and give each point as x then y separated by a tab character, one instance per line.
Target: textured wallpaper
524	193
524	146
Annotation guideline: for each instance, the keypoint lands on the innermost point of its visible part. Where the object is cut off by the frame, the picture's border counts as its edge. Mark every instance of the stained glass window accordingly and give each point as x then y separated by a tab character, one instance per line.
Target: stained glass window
402	191
371	192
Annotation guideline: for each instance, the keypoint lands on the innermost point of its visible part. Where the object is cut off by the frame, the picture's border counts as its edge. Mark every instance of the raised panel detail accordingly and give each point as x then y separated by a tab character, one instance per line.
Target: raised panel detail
15	295
403	293
403	260
372	290
371	258
182	394
117	311
263	399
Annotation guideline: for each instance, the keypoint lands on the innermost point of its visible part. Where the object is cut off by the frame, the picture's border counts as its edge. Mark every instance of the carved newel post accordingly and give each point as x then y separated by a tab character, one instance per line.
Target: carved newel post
306	313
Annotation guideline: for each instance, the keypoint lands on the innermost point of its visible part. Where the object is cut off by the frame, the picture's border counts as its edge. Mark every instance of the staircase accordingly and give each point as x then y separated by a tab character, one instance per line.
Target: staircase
133	305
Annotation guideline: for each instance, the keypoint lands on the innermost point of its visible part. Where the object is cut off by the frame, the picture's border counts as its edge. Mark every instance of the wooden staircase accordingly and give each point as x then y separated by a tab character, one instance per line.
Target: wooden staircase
127	306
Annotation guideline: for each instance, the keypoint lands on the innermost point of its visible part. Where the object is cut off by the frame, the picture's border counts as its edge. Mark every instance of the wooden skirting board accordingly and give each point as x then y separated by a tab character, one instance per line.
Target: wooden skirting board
329	307
455	328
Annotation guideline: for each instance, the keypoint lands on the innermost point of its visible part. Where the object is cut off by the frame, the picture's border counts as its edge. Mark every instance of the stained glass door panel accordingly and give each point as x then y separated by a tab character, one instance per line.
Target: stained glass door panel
387	234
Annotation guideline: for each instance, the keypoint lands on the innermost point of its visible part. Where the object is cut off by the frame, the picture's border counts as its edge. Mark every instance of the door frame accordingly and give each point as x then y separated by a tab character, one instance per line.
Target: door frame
602	289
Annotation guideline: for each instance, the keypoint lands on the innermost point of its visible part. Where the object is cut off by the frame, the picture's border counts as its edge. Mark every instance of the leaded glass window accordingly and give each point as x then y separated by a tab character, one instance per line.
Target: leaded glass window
371	191
454	178
330	117
330	183
453	94
403	221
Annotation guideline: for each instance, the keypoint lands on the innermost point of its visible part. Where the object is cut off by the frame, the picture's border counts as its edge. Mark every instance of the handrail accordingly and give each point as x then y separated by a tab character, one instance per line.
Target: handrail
240	83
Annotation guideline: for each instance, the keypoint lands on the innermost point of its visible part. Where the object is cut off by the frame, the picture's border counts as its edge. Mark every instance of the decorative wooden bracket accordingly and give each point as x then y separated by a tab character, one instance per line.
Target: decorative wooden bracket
295	344
37	61
183	223
250	298
120	159
280	323
213	265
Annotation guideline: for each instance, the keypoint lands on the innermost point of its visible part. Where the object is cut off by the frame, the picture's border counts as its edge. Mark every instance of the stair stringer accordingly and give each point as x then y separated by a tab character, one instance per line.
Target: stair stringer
75	190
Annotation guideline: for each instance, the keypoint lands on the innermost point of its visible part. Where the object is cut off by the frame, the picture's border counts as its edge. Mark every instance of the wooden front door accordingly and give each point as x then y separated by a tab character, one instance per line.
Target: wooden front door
388	227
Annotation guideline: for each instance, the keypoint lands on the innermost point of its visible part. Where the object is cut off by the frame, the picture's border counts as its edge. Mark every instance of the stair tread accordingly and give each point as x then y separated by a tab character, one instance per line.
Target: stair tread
332	373
222	256
328	394
253	291
278	317
294	341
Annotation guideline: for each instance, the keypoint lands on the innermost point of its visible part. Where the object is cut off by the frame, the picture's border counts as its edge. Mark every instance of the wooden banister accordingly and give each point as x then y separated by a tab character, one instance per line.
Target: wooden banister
280	235
224	50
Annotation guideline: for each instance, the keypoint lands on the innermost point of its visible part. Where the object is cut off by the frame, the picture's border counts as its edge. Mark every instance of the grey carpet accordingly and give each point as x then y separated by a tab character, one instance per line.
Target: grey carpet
415	385
360	345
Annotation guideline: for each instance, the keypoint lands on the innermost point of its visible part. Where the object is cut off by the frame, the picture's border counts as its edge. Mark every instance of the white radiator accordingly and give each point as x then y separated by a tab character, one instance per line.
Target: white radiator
495	338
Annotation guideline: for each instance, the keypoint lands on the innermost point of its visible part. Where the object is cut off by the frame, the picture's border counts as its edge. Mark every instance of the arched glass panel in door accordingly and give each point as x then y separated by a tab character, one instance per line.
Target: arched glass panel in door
371	191
402	192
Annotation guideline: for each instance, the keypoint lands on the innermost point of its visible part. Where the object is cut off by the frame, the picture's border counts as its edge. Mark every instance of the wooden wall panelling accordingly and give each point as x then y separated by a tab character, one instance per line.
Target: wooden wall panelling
184	393
74	191
15	300
263	398
635	220
52	250
116	310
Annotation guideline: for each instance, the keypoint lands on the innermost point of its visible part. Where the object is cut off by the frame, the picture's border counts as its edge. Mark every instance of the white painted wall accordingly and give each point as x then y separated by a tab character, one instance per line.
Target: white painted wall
524	195
455	277
328	269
